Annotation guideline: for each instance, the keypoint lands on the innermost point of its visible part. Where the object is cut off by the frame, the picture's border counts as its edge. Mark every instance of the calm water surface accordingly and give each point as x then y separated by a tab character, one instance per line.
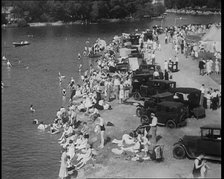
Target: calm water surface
26	152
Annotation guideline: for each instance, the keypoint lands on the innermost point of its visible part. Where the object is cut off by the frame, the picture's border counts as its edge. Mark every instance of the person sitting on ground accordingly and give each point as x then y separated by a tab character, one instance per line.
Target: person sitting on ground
94	113
54	129
128	139
81	142
85	130
84	157
134	148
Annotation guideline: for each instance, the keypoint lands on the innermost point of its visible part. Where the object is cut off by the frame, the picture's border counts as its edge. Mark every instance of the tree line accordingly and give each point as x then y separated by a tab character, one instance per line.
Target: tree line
179	4
88	10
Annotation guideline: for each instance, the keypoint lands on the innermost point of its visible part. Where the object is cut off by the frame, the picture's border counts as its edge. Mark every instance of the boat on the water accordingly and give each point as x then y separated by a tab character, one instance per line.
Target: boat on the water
22	43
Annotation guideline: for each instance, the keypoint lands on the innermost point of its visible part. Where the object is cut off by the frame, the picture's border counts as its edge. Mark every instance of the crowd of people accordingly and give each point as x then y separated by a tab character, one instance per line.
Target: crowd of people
103	83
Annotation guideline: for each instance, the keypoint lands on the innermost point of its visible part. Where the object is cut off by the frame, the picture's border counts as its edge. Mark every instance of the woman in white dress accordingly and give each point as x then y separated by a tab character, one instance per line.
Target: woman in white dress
63	172
216	66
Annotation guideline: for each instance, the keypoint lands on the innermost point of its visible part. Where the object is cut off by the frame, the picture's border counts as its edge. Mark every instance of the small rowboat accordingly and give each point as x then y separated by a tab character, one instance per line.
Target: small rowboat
22	43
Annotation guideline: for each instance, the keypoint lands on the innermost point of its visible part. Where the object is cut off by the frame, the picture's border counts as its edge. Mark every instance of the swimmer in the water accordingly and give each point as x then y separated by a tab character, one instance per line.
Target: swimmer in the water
79	56
8	64
35	121
32	110
60	77
4	58
64	92
80	67
2	85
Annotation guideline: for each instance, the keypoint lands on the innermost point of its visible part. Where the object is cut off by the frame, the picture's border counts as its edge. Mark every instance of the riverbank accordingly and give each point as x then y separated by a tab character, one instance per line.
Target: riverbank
80	22
193	12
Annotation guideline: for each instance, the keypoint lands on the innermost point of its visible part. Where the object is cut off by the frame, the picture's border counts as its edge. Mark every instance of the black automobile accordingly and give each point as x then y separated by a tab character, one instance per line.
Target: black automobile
191	98
147	69
152	87
157	98
169	113
208	143
140	79
122	67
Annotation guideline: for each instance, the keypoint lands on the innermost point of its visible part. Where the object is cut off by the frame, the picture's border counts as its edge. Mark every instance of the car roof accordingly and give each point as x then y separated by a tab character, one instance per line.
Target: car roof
170	104
211	126
141	74
164	81
160	95
185	90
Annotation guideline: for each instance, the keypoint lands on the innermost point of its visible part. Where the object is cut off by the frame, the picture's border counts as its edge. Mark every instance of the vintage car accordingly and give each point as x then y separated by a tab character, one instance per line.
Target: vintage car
169	113
140	79
122	67
209	144
144	68
157	98
152	87
191	98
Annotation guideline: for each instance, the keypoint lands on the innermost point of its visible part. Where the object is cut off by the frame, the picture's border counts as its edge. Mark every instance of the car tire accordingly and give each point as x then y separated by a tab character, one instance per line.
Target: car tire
138	112
171	124
179	152
137	96
145	119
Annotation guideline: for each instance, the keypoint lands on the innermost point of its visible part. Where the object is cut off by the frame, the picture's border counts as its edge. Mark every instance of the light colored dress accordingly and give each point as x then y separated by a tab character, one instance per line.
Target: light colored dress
63	172
217	66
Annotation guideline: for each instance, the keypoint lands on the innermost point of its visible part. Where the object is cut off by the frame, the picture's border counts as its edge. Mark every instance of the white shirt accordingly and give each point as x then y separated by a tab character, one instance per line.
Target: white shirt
202	90
154	122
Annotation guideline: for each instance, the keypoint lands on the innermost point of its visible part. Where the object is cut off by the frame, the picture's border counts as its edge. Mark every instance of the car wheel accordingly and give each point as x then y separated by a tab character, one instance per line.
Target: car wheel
137	96
171	124
179	152
138	112
145	119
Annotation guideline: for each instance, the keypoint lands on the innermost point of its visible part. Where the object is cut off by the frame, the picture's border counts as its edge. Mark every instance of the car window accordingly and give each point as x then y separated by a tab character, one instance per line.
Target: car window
217	134
167	109
158	108
206	133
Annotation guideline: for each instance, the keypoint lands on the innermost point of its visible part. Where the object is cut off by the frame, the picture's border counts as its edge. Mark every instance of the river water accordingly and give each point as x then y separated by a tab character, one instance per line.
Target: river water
33	79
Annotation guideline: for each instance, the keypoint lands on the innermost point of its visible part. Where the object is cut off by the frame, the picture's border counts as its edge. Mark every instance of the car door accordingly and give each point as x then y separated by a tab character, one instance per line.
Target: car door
161	113
209	144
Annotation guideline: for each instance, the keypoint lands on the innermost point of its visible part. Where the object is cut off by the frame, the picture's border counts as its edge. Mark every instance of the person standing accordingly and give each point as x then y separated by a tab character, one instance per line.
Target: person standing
198	169
216	66
201	67
100	127
211	65
116	87
166	65
176	61
208	69
63	172
202	89
121	93
153	58
153	127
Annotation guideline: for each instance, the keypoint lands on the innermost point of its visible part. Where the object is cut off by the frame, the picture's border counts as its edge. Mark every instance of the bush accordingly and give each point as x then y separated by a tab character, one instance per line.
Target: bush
22	23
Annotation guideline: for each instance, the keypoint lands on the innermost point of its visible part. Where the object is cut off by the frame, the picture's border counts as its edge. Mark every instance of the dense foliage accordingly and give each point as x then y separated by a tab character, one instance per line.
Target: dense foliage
90	10
178	4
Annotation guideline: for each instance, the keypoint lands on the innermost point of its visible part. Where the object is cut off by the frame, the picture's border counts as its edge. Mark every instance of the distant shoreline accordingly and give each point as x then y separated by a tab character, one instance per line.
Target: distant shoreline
60	23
